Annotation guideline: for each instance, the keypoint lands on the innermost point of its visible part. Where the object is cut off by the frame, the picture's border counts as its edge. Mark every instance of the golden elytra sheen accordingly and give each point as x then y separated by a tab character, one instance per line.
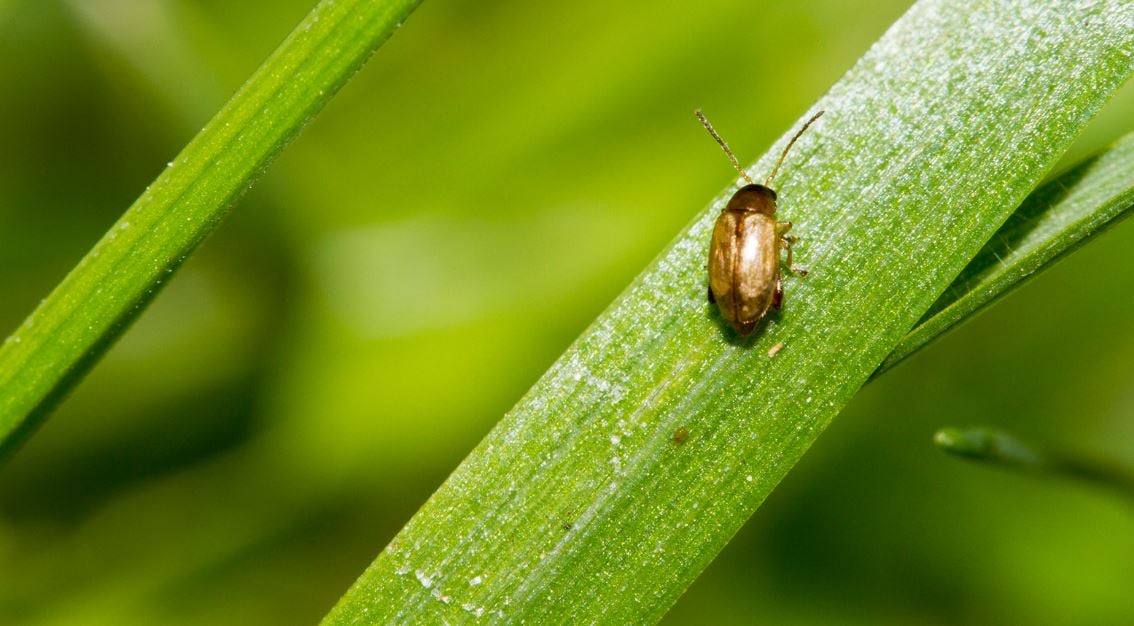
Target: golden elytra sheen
744	254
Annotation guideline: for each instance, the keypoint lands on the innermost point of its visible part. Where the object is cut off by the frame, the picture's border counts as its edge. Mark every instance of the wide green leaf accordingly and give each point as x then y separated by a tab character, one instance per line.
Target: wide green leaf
582	505
83	316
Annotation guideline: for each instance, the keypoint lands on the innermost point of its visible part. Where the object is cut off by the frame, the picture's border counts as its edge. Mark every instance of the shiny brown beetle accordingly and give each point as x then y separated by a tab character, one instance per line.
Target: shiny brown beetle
744	256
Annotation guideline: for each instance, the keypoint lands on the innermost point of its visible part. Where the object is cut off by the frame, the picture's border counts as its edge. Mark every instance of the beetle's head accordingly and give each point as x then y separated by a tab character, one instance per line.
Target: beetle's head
753	198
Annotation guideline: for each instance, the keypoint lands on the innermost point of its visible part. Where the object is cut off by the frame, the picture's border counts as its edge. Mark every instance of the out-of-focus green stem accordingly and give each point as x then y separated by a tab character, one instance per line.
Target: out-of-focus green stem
69	331
1001	448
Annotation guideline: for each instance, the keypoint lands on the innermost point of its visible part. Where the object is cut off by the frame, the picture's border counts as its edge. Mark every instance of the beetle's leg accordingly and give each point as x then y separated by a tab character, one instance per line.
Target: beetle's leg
712	298
778	293
786	241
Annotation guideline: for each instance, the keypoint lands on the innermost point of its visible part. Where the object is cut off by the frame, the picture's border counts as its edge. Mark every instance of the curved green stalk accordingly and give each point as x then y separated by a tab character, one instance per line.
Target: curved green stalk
69	331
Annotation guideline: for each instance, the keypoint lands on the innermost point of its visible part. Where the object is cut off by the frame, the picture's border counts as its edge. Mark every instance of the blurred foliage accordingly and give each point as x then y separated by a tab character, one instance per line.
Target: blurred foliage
411	265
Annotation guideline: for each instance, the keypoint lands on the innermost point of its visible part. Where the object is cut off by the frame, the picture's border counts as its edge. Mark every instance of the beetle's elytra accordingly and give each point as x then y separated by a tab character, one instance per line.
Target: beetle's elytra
744	255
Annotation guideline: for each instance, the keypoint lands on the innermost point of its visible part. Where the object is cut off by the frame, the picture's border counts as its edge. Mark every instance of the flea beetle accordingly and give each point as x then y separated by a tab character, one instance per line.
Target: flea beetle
744	256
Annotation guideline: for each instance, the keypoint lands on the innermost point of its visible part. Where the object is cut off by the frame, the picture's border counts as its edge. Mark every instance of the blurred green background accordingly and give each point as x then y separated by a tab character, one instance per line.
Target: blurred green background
425	250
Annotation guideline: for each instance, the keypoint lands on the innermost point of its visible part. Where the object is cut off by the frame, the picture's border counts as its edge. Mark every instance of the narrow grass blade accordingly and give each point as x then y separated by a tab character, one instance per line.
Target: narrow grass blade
584	505
68	332
1053	222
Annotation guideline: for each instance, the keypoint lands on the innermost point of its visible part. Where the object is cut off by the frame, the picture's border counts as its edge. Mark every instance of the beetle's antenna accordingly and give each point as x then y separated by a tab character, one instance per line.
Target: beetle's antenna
789	145
724	146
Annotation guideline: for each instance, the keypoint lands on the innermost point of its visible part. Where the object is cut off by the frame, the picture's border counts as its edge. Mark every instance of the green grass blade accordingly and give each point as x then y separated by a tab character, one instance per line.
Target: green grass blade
1054	221
580	506
67	333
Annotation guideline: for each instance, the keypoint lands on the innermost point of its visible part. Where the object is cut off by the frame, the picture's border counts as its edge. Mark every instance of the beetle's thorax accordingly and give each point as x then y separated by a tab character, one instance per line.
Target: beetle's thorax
753	199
